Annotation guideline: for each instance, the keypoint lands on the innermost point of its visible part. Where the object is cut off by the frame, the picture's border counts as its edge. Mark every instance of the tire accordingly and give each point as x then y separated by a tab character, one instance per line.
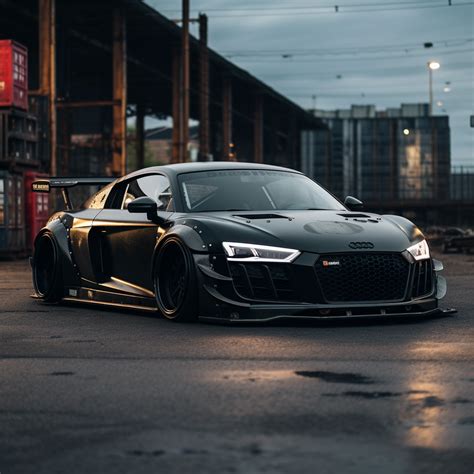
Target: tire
174	280
47	275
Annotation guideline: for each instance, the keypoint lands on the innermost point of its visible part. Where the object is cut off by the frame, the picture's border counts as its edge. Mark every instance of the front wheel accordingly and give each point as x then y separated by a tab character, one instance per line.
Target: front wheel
174	279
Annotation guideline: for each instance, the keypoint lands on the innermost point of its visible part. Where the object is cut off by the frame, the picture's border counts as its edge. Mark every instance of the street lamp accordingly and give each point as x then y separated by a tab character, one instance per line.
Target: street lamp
432	66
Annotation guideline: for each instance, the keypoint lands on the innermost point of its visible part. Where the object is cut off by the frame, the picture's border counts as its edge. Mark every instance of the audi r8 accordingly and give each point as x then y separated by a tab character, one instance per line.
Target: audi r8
231	242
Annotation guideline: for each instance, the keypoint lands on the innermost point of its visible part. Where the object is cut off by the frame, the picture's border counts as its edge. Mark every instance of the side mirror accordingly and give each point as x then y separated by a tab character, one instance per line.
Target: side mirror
353	203
144	205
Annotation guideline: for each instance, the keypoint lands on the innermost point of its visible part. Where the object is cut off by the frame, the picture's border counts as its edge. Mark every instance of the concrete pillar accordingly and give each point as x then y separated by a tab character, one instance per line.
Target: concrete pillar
140	136
176	110
47	61
184	95
119	74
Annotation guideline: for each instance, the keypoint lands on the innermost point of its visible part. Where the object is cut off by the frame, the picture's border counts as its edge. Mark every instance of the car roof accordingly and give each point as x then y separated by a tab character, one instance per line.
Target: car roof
179	168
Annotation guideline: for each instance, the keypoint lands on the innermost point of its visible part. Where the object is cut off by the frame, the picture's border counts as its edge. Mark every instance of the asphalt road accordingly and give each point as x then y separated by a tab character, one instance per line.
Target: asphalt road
86	390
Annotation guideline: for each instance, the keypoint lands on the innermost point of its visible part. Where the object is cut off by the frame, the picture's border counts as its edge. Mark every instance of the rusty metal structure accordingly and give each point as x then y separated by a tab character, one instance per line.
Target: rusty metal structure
95	64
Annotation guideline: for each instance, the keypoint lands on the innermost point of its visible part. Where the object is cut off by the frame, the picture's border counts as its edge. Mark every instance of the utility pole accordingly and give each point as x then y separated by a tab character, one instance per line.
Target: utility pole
430	81
432	66
176	85
184	115
258	129
227	143
204	145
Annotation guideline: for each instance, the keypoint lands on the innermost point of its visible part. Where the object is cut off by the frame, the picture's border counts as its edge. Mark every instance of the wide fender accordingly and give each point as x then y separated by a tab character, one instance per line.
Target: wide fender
59	233
187	234
406	226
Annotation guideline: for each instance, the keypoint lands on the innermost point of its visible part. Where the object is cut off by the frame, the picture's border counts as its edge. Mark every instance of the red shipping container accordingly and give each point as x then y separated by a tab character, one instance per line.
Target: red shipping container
36	207
13	75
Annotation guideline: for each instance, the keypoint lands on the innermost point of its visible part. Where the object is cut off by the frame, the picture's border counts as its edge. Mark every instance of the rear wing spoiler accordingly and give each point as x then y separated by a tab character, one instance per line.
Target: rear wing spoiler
46	185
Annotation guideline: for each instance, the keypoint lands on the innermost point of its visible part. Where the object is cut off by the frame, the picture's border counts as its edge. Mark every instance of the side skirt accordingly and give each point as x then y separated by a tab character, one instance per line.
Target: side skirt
109	298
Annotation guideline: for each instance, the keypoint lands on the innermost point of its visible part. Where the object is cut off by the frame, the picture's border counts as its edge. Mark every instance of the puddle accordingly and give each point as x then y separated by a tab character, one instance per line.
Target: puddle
461	400
334	377
466	421
139	452
366	395
257	375
194	451
432	401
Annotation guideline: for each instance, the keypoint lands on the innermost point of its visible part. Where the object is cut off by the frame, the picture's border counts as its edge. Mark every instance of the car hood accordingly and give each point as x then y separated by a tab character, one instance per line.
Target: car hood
310	231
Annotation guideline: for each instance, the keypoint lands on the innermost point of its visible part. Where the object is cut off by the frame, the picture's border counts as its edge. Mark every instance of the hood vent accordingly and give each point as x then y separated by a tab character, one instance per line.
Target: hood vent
355	216
260	216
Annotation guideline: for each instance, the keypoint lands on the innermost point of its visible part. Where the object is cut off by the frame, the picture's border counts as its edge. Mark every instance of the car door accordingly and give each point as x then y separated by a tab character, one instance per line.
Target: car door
79	225
125	241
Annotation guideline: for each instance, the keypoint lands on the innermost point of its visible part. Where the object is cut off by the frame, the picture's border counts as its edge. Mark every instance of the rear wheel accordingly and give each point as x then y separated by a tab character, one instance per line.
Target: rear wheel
47	278
175	281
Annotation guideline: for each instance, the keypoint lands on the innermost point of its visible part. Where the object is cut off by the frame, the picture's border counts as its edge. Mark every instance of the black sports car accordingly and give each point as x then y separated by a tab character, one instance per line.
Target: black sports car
232	242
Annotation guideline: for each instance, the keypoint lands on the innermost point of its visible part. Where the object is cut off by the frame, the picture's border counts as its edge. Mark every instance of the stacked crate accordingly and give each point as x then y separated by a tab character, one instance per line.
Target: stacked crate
19	154
12	214
13	75
18	139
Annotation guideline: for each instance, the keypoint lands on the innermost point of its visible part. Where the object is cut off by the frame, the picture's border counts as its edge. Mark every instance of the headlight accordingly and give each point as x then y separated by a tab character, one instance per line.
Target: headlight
420	251
258	253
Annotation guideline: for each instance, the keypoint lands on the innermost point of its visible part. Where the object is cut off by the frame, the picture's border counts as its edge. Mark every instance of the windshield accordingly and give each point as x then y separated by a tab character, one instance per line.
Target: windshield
252	190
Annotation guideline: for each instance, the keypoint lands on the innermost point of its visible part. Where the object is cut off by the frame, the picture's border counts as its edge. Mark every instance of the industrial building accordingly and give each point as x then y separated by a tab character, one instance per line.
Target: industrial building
74	74
398	154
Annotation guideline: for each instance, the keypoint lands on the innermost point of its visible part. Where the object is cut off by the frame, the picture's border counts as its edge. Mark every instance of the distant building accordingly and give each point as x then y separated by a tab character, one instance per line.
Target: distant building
462	183
395	154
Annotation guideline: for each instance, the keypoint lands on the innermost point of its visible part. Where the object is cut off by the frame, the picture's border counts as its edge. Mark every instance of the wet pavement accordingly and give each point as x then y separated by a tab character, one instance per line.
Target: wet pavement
91	390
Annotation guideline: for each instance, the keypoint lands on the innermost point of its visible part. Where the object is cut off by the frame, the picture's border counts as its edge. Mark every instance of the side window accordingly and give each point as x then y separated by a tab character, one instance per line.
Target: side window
155	186
97	201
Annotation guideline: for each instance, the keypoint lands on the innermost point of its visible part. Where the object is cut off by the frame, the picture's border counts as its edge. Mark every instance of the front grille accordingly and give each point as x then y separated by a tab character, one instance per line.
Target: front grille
422	278
271	281
362	277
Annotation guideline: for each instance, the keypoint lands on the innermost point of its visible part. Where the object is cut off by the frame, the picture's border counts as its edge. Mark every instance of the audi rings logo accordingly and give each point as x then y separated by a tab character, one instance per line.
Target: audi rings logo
361	245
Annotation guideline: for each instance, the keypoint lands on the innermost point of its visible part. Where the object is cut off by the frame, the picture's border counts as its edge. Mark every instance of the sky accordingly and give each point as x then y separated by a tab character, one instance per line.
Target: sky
369	52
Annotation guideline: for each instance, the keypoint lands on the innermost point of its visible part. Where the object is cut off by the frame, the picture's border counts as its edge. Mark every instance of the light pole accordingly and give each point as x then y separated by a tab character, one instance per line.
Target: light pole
432	66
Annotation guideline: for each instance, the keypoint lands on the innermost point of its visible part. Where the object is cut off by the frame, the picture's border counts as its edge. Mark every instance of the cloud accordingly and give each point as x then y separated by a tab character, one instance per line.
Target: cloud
385	79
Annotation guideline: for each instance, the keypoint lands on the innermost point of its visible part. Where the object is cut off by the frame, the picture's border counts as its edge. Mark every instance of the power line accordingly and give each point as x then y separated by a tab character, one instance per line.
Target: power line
407	47
335	9
358	58
314	7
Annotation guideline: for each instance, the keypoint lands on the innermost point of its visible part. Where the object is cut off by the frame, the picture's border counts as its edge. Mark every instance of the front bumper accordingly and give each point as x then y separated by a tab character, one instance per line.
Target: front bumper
219	300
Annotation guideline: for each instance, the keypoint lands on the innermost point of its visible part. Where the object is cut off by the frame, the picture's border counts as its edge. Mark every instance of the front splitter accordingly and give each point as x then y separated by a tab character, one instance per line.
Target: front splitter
235	318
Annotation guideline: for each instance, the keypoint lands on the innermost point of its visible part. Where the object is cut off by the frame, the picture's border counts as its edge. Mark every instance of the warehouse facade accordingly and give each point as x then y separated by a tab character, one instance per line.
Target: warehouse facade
398	154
